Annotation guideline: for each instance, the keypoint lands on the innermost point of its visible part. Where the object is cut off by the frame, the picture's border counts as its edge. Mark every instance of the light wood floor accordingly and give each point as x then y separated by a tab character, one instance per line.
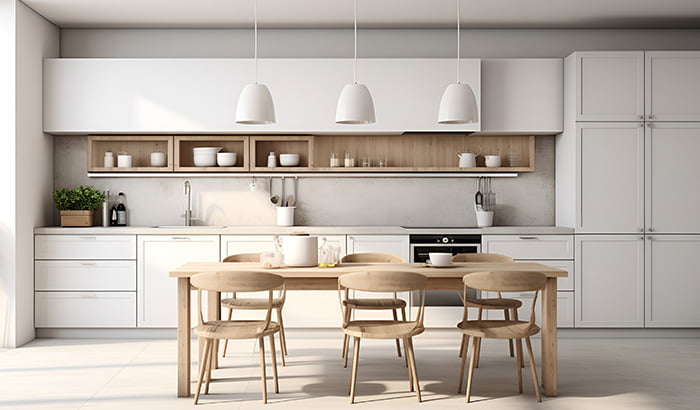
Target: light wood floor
140	374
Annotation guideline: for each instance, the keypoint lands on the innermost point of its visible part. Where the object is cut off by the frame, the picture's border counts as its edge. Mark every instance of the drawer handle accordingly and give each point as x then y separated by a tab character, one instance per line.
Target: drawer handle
529	237
88	238
88	295
181	238
88	263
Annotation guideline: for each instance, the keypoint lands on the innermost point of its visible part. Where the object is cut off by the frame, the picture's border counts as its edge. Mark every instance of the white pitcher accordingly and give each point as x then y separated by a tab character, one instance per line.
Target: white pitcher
467	159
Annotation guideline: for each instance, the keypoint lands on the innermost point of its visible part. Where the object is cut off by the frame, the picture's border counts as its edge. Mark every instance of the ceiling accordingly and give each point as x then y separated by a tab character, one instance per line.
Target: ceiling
371	13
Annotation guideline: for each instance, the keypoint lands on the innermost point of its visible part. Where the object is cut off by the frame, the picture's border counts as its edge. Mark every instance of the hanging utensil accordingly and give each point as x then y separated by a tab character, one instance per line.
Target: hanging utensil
478	197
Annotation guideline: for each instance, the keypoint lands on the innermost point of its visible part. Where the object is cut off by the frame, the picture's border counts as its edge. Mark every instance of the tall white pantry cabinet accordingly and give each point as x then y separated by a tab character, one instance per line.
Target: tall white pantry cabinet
627	183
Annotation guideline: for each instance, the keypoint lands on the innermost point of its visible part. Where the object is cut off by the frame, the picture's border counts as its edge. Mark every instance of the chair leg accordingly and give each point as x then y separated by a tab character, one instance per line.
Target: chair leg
346	338
273	352
398	343
533	369
520	369
262	369
210	364
465	340
514	315
347	346
506	314
463	344
230	314
283	336
410	370
412	361
478	346
355	360
472	362
202	369
403	317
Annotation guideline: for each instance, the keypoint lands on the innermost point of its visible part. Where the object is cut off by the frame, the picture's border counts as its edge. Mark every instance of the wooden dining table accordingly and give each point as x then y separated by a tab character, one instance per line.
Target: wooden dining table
316	278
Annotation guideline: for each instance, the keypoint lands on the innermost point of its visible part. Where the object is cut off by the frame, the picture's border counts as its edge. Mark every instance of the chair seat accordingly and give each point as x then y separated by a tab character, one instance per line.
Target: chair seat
498	329
235	329
494	303
251	303
375	303
383	329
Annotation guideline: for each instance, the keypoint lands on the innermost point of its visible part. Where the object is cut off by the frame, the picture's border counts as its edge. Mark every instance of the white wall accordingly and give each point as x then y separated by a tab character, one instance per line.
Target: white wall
26	164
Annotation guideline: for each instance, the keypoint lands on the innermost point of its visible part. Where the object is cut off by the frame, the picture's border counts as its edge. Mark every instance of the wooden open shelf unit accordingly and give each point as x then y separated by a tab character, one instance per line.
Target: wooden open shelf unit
399	153
138	146
184	156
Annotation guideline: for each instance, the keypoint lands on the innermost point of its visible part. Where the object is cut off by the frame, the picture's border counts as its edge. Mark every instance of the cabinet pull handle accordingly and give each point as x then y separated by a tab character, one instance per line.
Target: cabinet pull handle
88	295
88	263
651	229
88	238
529	237
181	238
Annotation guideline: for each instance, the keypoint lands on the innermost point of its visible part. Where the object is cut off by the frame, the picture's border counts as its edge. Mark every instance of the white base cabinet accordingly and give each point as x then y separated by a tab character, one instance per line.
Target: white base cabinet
672	281
157	256
84	309
565	307
609	281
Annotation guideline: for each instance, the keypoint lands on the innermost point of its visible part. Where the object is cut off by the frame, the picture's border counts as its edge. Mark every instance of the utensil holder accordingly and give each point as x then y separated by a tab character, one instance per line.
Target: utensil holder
285	215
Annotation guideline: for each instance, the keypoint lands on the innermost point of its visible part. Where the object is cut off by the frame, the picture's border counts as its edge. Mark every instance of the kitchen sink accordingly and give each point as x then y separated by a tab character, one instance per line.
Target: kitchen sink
188	227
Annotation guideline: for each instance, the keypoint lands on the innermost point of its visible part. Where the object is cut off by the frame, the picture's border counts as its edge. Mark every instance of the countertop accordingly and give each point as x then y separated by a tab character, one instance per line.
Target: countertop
314	230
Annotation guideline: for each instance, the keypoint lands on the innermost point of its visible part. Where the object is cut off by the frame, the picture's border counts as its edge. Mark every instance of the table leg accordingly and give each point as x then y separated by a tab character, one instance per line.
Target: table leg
549	337
214	313
183	337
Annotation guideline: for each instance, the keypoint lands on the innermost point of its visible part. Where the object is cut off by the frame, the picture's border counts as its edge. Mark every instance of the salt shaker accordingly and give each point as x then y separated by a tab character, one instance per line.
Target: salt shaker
272	160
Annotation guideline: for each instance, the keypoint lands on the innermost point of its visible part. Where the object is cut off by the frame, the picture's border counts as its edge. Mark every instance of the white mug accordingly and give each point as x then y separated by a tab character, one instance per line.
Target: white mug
493	161
157	159
467	160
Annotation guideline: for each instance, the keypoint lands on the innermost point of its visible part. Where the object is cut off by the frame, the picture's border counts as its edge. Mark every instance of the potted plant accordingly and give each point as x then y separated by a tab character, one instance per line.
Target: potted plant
78	205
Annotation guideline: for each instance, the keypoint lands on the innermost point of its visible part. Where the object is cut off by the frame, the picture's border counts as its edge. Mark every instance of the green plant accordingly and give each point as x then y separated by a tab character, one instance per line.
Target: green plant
83	198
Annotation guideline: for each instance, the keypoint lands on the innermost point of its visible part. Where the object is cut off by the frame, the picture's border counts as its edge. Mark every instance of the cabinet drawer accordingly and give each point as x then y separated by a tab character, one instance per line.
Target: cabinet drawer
530	246
565	307
85	246
566	283
85	309
85	275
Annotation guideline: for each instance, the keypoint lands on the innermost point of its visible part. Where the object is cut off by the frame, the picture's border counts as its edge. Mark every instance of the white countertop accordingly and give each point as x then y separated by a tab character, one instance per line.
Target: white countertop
314	230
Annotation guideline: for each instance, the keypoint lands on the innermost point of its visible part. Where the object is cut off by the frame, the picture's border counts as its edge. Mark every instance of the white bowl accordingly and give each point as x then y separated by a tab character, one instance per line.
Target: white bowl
205	156
493	161
289	160
226	159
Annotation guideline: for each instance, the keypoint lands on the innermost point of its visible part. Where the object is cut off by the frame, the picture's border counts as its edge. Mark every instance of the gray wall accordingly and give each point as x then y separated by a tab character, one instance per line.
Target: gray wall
526	200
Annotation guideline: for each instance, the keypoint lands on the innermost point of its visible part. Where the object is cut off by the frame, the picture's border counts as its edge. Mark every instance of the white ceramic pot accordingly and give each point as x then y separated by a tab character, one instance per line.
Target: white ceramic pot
299	250
493	161
467	160
205	156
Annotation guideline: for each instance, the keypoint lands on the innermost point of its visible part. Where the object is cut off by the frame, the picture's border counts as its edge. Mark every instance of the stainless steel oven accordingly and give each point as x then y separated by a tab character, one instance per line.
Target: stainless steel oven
422	244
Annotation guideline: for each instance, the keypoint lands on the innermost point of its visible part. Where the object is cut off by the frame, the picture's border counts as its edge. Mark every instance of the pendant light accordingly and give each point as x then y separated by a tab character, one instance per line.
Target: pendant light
355	105
255	104
458	103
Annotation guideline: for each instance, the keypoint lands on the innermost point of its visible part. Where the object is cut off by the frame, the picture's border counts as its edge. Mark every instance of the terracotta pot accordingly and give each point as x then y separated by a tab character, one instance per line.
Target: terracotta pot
77	218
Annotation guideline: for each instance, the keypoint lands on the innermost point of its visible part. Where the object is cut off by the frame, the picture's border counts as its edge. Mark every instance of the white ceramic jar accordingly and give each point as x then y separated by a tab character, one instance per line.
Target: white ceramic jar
299	250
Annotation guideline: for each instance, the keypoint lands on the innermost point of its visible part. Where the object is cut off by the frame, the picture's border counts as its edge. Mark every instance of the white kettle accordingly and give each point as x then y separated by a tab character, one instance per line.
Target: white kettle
467	159
299	249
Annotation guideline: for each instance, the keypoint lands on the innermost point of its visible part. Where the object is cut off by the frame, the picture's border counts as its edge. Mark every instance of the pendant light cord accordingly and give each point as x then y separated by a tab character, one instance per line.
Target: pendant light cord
255	36
459	71
355	30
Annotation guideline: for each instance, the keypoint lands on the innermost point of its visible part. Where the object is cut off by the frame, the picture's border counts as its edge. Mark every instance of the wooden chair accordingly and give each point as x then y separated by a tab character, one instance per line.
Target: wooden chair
383	281
235	303
393	304
509	306
214	330
505	281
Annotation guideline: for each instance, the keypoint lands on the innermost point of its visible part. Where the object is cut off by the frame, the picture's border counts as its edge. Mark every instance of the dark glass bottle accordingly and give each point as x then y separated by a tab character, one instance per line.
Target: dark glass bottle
121	210
113	216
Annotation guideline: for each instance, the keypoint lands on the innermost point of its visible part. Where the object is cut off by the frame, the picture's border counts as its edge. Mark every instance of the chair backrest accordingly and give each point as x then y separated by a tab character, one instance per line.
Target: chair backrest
506	281
243	257
371	258
481	257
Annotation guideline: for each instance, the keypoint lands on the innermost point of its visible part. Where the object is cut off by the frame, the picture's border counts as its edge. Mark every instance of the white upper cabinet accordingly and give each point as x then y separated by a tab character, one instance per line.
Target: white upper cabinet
672	85
200	95
610	86
610	178
522	95
672	193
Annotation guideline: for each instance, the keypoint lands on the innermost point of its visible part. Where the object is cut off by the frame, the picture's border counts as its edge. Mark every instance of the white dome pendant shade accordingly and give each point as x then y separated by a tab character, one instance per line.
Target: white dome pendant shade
255	105
458	105
355	105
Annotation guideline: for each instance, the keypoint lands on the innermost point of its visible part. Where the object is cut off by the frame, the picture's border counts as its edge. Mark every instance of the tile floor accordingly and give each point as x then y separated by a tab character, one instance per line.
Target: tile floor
140	374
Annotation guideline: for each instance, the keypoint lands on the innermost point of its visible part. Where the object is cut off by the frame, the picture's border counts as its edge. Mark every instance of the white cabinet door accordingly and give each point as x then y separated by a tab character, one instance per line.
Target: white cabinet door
610	86
610	178
673	197
672	281
563	284
391	244
85	246
235	244
85	309
530	247
85	275
522	95
565	307
157	256
672	85
609	281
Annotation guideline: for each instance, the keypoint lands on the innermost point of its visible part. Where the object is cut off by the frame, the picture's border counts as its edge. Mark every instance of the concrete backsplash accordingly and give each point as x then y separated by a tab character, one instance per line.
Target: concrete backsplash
525	200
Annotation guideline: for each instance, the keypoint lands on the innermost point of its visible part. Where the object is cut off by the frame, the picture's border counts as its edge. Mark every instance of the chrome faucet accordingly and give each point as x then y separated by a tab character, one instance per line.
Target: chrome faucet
188	206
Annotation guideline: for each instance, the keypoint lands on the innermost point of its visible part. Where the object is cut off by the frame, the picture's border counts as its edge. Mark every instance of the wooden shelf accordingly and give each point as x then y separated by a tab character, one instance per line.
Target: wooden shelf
261	146
184	156
138	146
